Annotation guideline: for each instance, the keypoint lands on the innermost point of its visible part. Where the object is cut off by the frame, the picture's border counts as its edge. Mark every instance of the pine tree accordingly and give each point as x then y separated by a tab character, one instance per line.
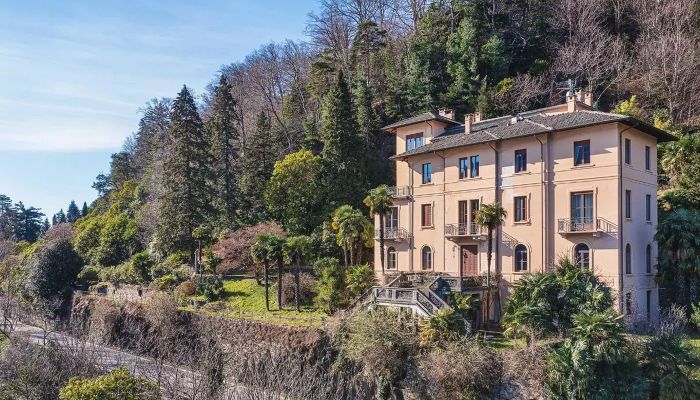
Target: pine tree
45	226
185	203
8	218
225	145
59	218
84	211
73	212
369	131
29	222
257	161
343	152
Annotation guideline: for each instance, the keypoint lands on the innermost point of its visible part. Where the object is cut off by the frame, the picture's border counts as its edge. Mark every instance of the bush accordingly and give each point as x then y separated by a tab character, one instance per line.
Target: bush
186	288
142	263
89	275
329	285
359	279
165	282
307	288
211	287
53	268
122	273
116	385
234	249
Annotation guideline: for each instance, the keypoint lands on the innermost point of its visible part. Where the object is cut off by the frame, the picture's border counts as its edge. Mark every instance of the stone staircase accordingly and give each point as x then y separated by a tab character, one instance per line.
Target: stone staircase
423	294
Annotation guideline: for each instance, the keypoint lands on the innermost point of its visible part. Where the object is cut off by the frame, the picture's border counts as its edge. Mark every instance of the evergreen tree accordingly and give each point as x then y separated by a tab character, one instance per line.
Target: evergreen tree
311	142
85	210
45	226
369	132
343	153
73	212
257	161
185	201
7	218
225	144
463	59
59	218
29	222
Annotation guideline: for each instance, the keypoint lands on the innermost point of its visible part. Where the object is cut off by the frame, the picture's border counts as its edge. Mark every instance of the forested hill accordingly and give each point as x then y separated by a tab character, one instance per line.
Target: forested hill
293	131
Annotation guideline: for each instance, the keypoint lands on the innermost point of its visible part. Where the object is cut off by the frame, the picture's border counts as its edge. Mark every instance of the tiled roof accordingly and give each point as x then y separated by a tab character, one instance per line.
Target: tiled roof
528	124
426	116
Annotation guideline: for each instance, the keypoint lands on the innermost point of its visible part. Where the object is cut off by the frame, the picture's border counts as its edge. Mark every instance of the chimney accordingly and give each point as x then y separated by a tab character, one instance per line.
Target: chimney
571	101
579	95
447	113
468	121
588	98
477	117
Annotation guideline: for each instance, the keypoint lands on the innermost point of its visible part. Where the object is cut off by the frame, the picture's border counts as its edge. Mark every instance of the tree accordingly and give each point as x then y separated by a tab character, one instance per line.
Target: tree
295	194
491	217
73	212
380	202
225	146
353	232
28	223
678	235
359	279
53	267
330	284
295	249
84	211
118	384
185	204
59	218
269	247
342	149
257	161
7	218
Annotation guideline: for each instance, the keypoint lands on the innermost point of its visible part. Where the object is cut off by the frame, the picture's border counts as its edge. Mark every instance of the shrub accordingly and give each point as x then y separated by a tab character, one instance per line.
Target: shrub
695	315
307	288
165	282
53	268
359	279
234	249
122	273
464	369
446	325
186	288
142	263
211	287
116	385
89	275
329	285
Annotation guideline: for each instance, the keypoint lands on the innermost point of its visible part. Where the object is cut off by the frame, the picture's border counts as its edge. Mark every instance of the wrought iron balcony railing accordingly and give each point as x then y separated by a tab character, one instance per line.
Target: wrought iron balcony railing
392	233
464	230
585	225
400	191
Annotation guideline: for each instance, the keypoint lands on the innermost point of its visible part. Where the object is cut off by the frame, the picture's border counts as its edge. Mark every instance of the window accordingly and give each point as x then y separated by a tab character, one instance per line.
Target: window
391	258
414	141
628	259
628	204
582	211
426	215
474	166
582	255
628	303
520	258
427	173
628	151
473	209
647	158
463	168
427	257
648	305
648	259
520	160
582	152
391	219
520	213
648	207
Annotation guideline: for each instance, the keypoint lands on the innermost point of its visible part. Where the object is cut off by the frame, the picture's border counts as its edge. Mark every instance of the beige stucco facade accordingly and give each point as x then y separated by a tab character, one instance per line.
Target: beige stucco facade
547	184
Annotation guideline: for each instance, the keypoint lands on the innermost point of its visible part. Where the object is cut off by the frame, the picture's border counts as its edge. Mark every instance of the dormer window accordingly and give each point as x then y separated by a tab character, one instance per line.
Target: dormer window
414	141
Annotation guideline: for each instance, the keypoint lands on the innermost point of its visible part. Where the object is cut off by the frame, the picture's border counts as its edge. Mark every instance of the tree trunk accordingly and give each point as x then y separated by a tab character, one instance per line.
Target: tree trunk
267	286
280	272
297	284
381	243
489	249
352	253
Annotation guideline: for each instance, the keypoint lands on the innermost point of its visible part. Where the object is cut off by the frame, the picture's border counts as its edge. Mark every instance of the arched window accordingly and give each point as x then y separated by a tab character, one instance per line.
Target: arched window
648	259
427	257
391	258
628	259
582	255
520	258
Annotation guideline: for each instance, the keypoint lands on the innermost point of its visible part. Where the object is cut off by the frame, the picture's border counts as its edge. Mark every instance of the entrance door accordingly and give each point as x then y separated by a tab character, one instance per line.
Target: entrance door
470	260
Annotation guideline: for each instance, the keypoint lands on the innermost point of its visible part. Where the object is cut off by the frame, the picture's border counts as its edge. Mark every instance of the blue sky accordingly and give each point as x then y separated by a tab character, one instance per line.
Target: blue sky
73	75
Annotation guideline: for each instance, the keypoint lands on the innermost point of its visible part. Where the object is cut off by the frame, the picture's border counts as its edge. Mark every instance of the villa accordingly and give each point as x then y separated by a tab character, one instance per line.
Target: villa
575	182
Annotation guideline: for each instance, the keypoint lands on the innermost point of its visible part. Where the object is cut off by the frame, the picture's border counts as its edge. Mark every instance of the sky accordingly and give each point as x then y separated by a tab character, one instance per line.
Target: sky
73	75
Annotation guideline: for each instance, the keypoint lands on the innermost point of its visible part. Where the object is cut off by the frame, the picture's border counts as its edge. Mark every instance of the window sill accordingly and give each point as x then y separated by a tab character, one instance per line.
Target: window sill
520	272
649	222
427	227
526	222
470	178
522	172
628	219
427	184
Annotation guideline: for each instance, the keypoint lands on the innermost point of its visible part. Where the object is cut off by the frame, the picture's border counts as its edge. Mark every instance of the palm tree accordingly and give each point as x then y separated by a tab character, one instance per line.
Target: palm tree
295	249
490	216
379	202
260	251
352	229
276	252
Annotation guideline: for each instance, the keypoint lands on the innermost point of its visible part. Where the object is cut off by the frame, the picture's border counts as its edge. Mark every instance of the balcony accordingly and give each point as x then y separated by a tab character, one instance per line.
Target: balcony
400	192
472	231
396	234
593	226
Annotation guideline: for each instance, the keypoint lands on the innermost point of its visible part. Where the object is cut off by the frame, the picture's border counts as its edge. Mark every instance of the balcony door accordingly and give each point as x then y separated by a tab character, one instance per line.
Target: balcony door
473	209
469	260
463	217
391	220
582	210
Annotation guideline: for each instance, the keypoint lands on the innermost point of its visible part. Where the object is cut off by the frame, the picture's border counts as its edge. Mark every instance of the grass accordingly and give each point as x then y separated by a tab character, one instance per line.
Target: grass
244	298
